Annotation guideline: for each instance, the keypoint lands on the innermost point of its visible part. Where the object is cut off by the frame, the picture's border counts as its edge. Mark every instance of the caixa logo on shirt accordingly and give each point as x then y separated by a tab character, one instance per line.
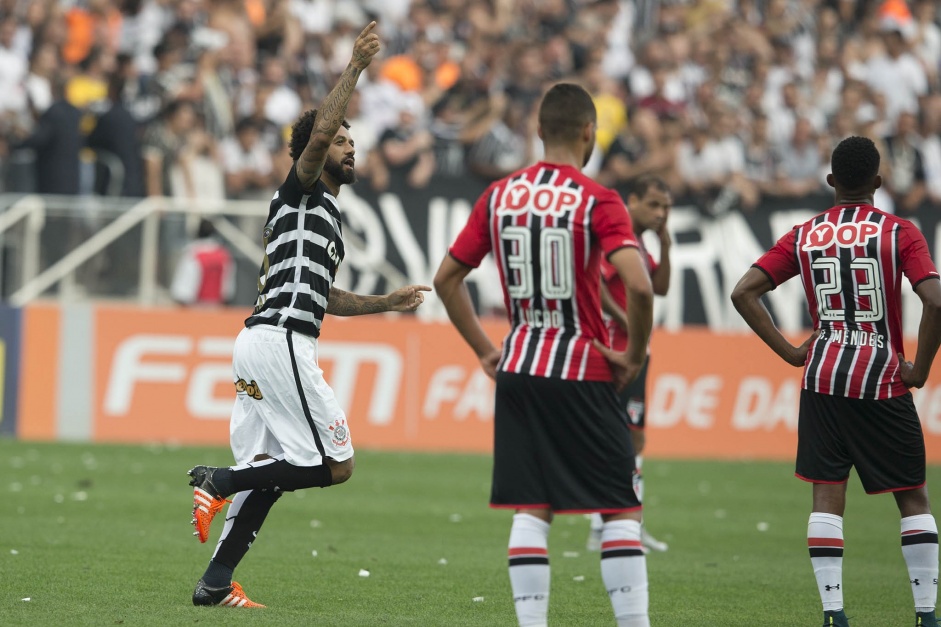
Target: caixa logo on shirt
334	255
825	235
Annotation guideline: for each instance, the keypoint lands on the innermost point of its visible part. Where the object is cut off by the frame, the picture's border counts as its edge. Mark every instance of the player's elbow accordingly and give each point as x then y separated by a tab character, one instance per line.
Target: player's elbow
738	297
932	304
642	292
443	282
741	297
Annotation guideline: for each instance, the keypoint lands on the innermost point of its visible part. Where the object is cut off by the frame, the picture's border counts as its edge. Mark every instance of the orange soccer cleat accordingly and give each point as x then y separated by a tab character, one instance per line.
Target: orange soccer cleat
227	596
207	502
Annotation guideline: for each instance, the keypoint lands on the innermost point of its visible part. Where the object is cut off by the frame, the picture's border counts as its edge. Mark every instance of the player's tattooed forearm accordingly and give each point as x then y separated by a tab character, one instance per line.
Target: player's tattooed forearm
343	303
330	117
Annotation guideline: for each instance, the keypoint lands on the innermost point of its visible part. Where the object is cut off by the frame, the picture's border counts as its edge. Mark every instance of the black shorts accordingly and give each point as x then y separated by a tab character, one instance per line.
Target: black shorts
561	445
881	439
634	399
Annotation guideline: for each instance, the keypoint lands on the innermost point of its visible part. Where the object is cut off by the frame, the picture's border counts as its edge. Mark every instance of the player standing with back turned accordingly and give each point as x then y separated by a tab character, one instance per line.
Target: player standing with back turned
558	425
855	406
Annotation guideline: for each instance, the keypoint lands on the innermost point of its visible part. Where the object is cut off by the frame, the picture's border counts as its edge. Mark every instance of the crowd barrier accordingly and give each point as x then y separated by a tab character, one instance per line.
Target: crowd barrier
121	374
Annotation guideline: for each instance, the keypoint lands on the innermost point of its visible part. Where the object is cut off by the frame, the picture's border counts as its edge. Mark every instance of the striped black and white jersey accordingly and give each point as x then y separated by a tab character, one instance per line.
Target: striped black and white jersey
303	242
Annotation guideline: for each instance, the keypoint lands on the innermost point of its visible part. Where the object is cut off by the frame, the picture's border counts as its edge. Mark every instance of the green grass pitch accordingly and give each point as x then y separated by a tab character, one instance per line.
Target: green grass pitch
100	535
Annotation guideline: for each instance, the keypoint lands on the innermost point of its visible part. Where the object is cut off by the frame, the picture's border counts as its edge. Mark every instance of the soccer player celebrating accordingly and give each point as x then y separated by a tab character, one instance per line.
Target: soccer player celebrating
855	406
559	428
287	430
649	205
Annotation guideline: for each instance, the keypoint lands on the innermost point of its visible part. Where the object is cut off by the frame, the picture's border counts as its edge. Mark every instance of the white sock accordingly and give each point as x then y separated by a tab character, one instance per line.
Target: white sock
624	572
529	569
639	478
920	549
825	543
596	521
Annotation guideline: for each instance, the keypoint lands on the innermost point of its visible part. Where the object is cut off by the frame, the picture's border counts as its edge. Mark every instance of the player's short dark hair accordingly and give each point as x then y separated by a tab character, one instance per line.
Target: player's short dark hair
855	163
647	182
300	132
565	110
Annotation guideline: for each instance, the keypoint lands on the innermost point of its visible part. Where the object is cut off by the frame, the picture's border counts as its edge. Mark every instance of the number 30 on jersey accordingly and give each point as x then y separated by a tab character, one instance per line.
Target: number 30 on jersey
554	263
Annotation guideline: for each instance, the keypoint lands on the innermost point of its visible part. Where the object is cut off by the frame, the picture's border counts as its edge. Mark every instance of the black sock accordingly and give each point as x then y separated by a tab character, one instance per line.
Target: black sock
244	519
278	475
217	575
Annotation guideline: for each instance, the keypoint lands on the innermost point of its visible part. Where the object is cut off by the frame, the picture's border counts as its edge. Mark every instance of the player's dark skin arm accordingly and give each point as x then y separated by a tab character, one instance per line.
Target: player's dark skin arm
660	278
747	300
451	289
611	308
626	366
914	374
406	298
333	110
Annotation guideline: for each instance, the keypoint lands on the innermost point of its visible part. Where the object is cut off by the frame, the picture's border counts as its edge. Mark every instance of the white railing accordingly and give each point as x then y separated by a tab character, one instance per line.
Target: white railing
119	217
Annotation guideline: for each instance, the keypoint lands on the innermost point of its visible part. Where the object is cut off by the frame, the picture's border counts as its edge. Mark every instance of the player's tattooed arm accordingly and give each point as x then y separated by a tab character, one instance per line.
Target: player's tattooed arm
333	109
407	298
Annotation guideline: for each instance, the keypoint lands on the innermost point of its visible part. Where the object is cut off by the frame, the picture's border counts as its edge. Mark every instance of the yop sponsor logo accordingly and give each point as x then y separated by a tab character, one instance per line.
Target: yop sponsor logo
521	196
825	235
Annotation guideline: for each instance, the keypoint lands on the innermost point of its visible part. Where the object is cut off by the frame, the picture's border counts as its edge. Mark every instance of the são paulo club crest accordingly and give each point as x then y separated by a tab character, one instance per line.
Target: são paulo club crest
341	435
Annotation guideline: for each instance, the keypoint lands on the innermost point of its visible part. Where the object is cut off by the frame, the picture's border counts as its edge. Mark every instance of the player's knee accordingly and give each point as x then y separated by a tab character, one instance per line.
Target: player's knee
341	471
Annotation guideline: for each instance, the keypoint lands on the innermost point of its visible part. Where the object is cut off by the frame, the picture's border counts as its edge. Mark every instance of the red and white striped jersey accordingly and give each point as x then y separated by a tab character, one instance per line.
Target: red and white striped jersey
851	259
616	333
548	226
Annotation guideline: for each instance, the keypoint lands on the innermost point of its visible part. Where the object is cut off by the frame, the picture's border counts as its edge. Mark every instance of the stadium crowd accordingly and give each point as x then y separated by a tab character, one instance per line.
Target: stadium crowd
729	101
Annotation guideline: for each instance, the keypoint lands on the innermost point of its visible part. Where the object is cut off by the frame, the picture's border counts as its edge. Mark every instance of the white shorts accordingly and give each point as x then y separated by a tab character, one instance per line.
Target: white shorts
283	406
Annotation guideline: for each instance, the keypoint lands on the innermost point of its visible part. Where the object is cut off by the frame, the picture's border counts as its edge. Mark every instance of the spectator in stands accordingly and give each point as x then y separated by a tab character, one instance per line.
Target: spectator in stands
793	106
13	72
657	101
761	162
931	153
897	74
95	23
636	151
246	162
209	86
205	272
903	171
57	142
283	105
164	144
369	164
42	70
408	147
799	162
708	166
927	40
115	138
507	144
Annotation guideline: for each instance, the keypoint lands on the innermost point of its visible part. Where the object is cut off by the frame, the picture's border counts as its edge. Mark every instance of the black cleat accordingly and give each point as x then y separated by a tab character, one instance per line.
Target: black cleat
227	596
925	619
835	618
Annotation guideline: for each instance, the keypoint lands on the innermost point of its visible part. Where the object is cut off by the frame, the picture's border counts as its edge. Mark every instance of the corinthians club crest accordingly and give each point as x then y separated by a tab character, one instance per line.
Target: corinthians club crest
341	435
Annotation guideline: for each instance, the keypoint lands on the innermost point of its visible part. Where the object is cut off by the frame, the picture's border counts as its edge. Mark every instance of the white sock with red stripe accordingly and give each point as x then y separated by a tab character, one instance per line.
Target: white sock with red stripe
920	549
639	477
624	572
529	569
825	544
